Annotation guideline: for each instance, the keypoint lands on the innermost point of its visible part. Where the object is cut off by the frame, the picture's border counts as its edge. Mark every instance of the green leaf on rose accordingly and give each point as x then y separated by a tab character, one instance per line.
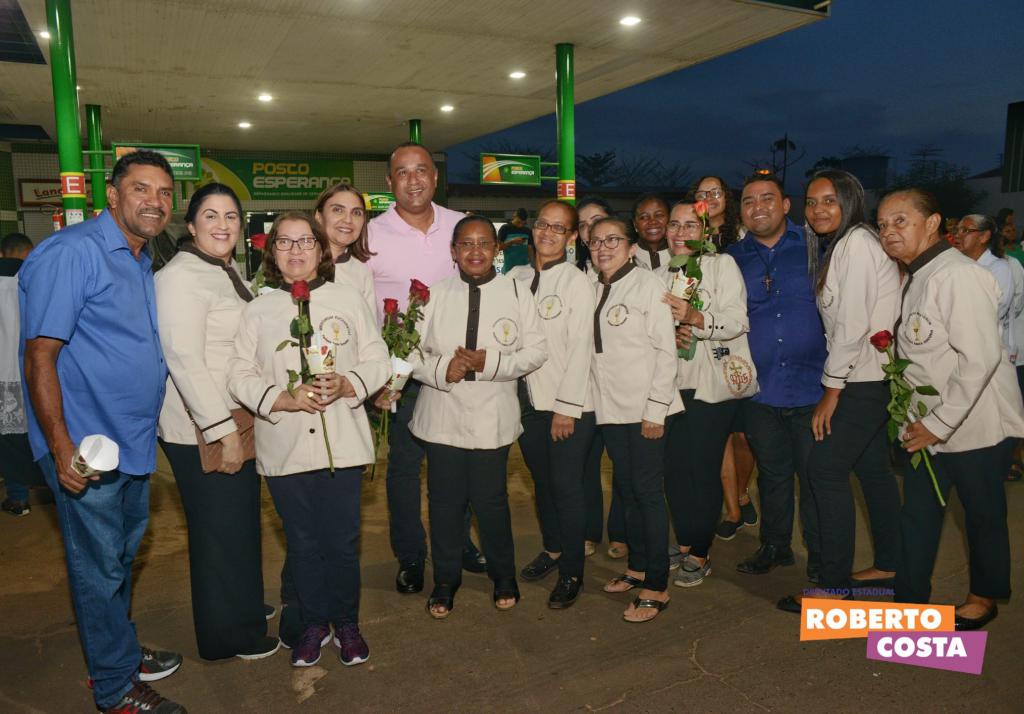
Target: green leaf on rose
892	429
285	343
915	459
678	261
927	390
922	409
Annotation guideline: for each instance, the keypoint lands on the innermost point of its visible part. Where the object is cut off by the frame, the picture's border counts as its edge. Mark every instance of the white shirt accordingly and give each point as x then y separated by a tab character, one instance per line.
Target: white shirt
1015	343
634	367
1000	269
949	332
354	273
491	314
565	305
861	296
651	259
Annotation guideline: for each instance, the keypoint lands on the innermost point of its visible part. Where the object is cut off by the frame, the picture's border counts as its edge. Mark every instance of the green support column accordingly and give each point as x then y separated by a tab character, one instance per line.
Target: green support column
65	107
565	114
99	184
415	133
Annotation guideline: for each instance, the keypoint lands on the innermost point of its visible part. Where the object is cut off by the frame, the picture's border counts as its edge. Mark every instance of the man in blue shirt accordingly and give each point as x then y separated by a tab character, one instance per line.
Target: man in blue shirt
92	364
787	342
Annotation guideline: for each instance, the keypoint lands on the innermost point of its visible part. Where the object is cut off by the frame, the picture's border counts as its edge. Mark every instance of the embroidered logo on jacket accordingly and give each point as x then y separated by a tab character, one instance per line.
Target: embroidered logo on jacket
826	297
506	331
617	314
335	330
549	307
918	328
738	373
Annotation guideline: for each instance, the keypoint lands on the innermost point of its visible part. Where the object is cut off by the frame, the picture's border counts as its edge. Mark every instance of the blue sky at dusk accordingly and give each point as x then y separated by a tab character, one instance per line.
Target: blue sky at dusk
890	75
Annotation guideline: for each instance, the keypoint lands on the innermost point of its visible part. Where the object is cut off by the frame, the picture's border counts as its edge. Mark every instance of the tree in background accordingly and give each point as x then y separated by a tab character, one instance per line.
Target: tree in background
946	180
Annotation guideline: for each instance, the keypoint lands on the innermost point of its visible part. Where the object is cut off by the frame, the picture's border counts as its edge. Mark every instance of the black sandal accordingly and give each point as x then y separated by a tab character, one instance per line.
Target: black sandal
624	578
647	603
443	595
504	591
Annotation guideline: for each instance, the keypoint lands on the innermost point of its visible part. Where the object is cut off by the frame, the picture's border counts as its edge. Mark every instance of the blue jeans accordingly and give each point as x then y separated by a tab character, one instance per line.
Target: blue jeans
102	528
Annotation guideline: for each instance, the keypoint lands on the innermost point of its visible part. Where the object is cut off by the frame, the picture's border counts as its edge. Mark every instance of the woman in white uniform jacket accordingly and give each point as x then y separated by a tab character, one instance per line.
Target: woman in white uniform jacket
634	374
948	329
480	333
341	214
319	507
557	408
858	292
710	385
200	297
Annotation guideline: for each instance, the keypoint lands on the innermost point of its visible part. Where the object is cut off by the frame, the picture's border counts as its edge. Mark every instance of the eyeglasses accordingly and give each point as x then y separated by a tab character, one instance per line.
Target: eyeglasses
705	195
964	230
557	228
611	242
467	246
304	242
688	226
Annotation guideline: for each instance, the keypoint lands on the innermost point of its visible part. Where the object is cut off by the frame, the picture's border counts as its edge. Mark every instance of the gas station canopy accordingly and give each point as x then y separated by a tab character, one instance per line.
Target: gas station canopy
346	75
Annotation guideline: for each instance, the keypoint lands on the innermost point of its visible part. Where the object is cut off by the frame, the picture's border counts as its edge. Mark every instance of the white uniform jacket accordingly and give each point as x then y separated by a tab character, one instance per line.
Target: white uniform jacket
724	294
651	259
493	314
861	296
198	309
565	305
293	442
634	367
354	273
948	329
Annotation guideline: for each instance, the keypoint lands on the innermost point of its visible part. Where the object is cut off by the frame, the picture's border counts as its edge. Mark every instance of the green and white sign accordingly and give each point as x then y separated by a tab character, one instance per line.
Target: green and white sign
257	179
183	158
514	169
377	202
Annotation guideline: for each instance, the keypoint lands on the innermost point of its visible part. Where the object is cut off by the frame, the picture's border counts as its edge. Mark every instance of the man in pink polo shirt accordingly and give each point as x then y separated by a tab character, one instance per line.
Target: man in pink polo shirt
412	239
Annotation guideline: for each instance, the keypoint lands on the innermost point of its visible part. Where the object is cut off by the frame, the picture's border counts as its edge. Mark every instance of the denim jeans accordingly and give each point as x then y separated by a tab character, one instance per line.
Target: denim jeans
16	465
102	528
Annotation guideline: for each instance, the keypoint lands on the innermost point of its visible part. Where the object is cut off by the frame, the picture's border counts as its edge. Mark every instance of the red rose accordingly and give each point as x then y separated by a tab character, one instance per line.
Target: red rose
390	306
300	290
259	241
881	340
420	291
701	208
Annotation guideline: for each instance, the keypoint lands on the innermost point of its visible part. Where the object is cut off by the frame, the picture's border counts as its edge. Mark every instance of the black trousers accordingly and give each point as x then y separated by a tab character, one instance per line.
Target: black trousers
640	482
225	564
17	466
405	456
321	517
457	478
693	469
781	440
978	477
557	469
858	443
593	493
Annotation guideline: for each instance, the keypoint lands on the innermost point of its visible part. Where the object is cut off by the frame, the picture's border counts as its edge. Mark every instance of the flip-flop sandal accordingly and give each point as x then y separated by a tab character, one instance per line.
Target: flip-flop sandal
646	603
444	596
624	578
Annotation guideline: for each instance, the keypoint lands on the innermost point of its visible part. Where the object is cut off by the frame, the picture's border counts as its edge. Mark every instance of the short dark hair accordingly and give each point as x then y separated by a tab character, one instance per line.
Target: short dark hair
144	157
520	213
325	269
591	200
474	218
629	234
204	192
770	178
15	243
574	216
406	145
644	198
360	248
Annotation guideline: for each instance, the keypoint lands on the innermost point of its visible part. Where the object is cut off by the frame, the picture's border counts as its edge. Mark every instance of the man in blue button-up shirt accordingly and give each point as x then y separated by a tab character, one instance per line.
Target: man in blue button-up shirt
93	364
787	342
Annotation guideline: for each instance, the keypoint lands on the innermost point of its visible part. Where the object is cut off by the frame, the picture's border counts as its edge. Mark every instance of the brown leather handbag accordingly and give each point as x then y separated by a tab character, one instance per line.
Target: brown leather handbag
211	456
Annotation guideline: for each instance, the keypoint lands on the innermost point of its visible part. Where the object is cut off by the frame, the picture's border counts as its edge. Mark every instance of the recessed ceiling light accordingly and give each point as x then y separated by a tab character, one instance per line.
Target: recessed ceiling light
447	108
244	125
45	35
517	75
265	97
630	20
